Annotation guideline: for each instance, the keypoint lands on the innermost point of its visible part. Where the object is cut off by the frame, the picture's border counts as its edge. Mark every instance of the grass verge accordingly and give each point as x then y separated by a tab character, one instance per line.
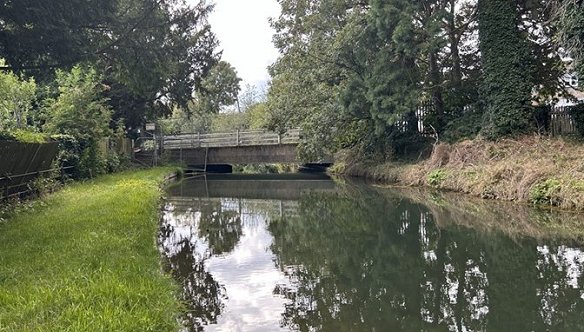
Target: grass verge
533	169
85	259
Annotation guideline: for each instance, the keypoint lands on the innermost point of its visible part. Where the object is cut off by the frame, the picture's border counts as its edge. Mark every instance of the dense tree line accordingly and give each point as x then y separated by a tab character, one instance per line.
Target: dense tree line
352	71
152	54
91	69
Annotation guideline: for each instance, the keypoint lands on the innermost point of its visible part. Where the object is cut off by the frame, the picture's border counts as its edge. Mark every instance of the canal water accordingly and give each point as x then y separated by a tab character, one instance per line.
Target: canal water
305	253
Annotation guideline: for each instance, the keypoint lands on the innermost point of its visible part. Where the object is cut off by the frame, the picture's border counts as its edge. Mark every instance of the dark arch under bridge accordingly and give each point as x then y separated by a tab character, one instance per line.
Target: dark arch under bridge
238	147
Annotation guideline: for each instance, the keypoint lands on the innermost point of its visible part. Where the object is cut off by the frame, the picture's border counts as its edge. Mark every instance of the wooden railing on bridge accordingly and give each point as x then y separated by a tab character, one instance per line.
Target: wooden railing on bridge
232	139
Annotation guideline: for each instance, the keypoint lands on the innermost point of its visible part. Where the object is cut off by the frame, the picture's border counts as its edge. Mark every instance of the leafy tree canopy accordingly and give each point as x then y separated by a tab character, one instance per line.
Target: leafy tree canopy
152	53
219	88
570	15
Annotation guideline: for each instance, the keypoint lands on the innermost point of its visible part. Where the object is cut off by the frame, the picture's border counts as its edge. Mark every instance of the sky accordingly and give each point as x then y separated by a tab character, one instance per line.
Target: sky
245	36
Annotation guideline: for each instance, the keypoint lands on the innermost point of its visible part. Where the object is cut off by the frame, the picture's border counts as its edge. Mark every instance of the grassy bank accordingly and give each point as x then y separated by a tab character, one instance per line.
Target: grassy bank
537	170
85	259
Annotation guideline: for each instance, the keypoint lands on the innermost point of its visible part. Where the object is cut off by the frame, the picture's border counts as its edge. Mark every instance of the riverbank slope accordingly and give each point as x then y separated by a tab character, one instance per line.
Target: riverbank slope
533	169
85	259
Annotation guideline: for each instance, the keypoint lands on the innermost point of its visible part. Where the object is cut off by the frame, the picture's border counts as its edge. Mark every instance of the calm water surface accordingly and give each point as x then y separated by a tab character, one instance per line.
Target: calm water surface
280	253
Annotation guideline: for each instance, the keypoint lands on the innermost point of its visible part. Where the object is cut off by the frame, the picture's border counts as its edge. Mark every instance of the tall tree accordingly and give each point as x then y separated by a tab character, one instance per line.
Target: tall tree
152	53
219	88
308	77
570	15
507	82
538	30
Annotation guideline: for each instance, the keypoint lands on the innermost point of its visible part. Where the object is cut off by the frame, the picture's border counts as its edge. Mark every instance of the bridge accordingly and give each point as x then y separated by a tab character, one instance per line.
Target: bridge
237	147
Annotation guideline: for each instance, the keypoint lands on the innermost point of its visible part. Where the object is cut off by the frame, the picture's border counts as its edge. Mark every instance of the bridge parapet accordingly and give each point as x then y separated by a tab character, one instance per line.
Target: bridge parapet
232	139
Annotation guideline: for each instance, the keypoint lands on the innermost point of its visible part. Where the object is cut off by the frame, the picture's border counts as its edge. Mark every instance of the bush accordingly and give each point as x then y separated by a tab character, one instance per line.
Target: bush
113	163
542	118
83	158
17	96
577	113
27	136
544	193
436	177
80	118
466	125
23	136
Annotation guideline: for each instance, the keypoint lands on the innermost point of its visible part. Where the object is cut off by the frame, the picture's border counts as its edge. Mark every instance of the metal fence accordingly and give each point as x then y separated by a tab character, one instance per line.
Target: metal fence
559	119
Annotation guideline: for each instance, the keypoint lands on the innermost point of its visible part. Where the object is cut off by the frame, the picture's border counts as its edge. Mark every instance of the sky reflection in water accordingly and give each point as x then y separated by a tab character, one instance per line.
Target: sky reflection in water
357	258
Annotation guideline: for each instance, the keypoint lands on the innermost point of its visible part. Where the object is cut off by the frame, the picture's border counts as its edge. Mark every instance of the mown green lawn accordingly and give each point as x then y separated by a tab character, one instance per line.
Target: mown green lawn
86	260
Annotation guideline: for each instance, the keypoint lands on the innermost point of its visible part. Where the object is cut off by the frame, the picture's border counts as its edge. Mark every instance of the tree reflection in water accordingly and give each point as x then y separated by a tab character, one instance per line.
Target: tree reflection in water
187	240
358	260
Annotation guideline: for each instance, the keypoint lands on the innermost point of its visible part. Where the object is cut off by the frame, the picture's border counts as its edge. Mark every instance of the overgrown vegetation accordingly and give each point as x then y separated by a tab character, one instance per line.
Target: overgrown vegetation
85	259
352	73
87	71
577	113
436	177
75	113
532	169
507	68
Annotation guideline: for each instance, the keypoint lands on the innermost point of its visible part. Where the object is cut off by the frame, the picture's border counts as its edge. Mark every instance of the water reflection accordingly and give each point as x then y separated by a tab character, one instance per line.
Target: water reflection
357	258
187	253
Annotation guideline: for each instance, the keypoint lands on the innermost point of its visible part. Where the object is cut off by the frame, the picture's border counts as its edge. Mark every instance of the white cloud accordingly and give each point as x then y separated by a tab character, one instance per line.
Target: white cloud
246	36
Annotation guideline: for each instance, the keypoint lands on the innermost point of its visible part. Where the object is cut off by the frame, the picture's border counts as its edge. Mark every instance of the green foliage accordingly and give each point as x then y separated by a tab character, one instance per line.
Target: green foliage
257	116
69	153
312	72
465	125
264	169
81	113
577	113
79	110
17	96
182	122
351	71
27	136
436	177
147	51
228	122
113	163
570	17
24	136
254	117
544	193
507	81
219	88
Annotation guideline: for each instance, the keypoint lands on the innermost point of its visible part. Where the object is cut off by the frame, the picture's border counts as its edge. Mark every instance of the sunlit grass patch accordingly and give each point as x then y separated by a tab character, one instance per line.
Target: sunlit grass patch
86	260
